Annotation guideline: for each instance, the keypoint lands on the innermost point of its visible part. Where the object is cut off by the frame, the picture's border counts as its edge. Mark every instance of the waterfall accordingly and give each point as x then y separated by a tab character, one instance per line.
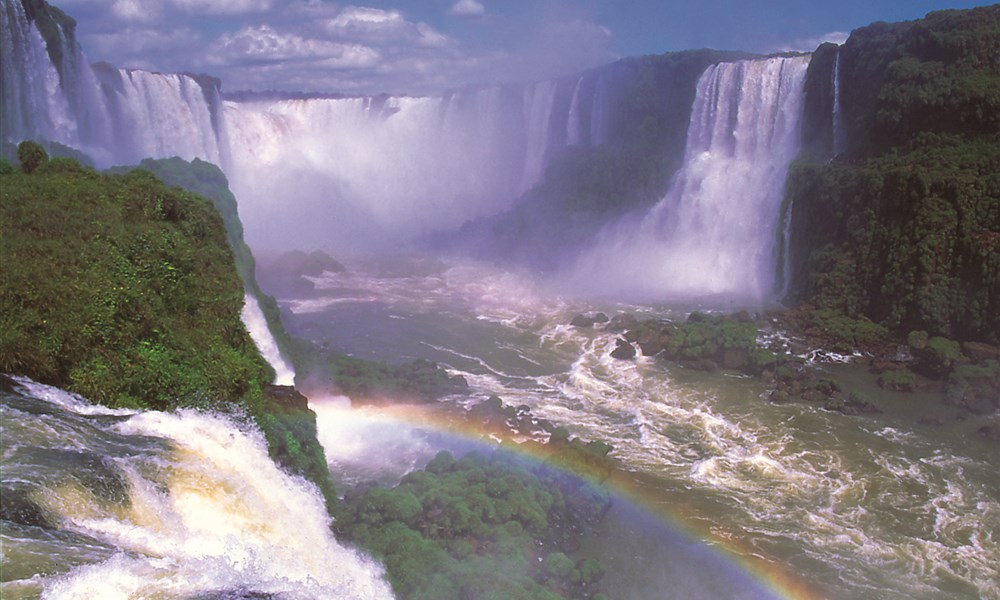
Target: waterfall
538	101
253	318
838	131
122	504
160	115
574	133
714	234
34	103
598	113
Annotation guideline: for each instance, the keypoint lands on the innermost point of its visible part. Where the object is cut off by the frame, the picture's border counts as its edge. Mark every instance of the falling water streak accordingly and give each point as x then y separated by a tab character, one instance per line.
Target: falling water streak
574	124
538	100
838	133
253	318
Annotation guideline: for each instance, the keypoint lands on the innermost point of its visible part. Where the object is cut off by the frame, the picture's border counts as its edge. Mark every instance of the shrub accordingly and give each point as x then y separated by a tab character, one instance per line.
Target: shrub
31	155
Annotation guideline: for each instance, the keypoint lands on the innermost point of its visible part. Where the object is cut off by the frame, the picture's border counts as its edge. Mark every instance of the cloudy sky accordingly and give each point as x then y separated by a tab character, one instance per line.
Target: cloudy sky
427	46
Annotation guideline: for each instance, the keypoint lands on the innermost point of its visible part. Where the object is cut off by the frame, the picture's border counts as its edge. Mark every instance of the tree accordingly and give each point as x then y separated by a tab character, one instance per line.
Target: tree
31	155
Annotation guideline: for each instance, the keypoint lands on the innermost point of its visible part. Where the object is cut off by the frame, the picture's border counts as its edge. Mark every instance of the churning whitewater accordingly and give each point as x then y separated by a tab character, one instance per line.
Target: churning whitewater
124	504
857	507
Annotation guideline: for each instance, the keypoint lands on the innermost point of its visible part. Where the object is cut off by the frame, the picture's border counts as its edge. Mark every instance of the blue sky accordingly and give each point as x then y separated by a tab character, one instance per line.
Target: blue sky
427	46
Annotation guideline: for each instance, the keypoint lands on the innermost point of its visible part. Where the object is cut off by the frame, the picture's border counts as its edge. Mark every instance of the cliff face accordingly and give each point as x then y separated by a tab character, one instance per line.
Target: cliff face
903	224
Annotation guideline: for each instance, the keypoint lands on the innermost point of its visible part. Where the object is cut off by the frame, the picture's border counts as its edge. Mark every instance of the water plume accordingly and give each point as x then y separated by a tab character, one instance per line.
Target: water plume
714	233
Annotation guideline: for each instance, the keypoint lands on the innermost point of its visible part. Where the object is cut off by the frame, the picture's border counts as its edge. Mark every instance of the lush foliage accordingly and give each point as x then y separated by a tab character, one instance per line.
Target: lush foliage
365	380
478	527
121	289
207	180
904	228
31	155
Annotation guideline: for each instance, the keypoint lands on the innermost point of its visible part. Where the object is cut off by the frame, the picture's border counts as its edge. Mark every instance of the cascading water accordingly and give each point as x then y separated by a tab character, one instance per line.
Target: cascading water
101	503
714	233
160	115
253	318
33	101
574	126
838	131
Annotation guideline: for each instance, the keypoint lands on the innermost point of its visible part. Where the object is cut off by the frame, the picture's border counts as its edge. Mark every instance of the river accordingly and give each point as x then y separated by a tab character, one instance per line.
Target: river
881	506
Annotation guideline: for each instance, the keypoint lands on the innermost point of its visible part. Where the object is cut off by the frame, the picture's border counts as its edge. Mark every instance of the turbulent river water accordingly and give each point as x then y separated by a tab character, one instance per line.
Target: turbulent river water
112	504
849	507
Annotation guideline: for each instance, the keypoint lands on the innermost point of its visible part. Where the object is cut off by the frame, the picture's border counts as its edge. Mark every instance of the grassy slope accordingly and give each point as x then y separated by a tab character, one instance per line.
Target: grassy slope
121	289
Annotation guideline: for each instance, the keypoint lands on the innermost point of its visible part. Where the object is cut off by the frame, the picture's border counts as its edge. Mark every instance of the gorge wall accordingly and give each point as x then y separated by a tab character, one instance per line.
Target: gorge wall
902	223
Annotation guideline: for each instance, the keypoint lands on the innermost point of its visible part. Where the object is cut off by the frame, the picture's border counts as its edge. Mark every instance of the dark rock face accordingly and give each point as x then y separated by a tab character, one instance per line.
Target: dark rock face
287	397
990	432
852	406
621	322
589	320
980	352
623	350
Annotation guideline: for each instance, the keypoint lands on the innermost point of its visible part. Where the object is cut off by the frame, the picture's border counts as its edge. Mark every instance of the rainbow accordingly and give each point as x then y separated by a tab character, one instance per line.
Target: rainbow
673	513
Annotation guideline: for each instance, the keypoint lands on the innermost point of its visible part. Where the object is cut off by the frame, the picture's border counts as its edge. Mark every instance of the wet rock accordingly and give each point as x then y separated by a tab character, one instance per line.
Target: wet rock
813	395
621	322
17	506
623	350
932	420
990	432
980	352
734	358
854	405
287	397
600	318
779	397
701	364
582	321
897	380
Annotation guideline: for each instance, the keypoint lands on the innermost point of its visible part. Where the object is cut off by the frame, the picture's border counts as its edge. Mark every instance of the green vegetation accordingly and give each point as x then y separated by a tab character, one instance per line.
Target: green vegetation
897	380
125	291
479	527
31	155
904	227
365	380
121	289
207	180
706	342
843	333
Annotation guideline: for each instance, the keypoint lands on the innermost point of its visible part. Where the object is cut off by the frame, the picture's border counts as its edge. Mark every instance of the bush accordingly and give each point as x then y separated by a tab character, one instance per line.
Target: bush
31	155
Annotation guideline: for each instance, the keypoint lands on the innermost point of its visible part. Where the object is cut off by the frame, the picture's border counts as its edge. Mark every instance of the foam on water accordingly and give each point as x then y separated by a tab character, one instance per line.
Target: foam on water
200	508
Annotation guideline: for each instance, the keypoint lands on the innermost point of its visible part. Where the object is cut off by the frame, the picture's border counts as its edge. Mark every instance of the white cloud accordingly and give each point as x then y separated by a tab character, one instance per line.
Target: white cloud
382	28
138	11
363	20
223	7
264	44
467	8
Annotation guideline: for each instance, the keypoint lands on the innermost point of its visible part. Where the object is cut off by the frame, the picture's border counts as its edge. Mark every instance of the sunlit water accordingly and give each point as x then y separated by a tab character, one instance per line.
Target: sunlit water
873	507
109	504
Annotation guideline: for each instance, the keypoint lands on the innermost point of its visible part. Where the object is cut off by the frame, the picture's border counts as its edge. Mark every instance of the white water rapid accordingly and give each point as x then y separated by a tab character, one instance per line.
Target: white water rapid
714	233
159	505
